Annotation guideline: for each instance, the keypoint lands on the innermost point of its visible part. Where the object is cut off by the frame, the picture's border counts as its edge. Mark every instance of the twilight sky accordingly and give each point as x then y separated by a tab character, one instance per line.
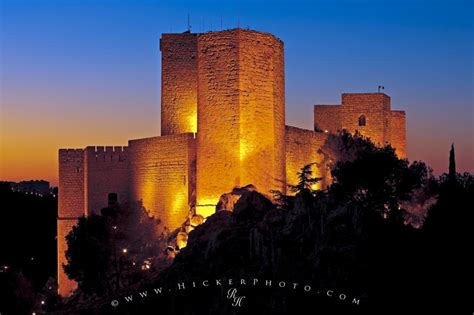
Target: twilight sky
77	73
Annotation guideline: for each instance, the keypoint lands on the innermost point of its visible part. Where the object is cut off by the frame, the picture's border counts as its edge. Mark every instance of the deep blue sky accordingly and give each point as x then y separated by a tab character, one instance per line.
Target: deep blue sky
75	73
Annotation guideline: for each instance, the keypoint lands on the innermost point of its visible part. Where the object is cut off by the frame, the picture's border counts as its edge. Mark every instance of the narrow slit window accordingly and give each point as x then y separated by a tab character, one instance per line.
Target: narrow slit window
112	199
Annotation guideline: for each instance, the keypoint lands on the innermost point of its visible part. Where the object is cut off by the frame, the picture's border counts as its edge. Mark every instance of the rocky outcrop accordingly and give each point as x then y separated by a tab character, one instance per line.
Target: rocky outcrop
253	203
228	200
254	238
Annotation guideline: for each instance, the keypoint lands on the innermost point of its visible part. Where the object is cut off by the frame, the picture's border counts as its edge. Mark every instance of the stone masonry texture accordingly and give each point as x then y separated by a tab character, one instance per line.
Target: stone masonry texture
106	172
70	206
382	125
240	114
302	149
162	176
178	83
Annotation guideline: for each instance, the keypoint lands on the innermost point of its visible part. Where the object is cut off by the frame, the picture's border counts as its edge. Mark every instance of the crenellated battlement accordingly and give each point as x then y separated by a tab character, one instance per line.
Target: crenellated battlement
106	153
398	112
71	155
167	138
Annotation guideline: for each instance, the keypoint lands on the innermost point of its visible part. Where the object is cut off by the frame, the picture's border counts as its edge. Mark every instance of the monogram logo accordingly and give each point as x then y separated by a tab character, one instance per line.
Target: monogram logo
236	299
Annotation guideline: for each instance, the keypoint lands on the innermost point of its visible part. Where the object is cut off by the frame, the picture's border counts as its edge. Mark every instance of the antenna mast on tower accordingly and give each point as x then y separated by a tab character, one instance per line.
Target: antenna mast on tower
189	23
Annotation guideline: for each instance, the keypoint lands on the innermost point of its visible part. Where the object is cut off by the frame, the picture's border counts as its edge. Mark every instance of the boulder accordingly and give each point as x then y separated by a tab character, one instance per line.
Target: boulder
228	200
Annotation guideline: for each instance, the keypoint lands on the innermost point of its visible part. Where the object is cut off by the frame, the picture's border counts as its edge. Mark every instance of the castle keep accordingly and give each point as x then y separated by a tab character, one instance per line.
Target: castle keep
222	126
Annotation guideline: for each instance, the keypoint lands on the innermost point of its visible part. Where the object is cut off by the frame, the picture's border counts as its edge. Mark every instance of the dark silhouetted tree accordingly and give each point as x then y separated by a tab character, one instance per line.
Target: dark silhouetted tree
110	251
452	162
305	179
449	234
378	180
27	247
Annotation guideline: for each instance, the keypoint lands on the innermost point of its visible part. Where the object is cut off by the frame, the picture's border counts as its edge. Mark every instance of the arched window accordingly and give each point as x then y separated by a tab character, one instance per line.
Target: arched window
361	120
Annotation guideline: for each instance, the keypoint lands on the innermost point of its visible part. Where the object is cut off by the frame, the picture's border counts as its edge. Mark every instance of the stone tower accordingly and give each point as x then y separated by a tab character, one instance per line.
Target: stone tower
370	114
241	114
87	179
178	83
70	207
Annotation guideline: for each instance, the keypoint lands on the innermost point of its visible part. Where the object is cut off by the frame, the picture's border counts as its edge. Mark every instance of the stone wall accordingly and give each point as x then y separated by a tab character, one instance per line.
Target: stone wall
71	183
240	114
65	285
162	176
301	149
218	135
106	172
376	109
262	111
398	132
70	206
178	83
382	125
327	118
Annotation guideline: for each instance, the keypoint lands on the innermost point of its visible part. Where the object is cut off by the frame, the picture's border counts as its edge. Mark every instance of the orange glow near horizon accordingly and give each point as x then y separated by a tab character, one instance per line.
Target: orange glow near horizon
33	127
30	137
29	142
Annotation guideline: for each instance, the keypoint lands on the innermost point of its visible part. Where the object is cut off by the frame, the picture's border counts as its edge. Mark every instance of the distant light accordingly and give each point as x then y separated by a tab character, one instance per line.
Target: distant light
146	264
124	250
43	302
326	131
114	227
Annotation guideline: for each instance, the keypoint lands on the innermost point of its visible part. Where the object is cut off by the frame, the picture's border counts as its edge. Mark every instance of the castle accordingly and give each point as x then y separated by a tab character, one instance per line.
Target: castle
222	126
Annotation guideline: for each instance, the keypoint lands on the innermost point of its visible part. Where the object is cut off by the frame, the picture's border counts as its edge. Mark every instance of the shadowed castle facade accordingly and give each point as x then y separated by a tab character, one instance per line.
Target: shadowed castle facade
222	126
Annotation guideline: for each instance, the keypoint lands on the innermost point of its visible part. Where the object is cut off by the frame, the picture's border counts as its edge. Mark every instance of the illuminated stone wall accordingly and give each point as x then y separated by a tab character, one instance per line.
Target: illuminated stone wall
326	118
70	206
218	138
240	114
65	285
382	125
375	107
162	175
106	172
178	83
398	132
301	149
262	111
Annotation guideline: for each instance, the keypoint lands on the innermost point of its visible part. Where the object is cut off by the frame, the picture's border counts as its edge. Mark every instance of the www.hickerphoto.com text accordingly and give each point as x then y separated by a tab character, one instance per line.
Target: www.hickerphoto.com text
233	285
